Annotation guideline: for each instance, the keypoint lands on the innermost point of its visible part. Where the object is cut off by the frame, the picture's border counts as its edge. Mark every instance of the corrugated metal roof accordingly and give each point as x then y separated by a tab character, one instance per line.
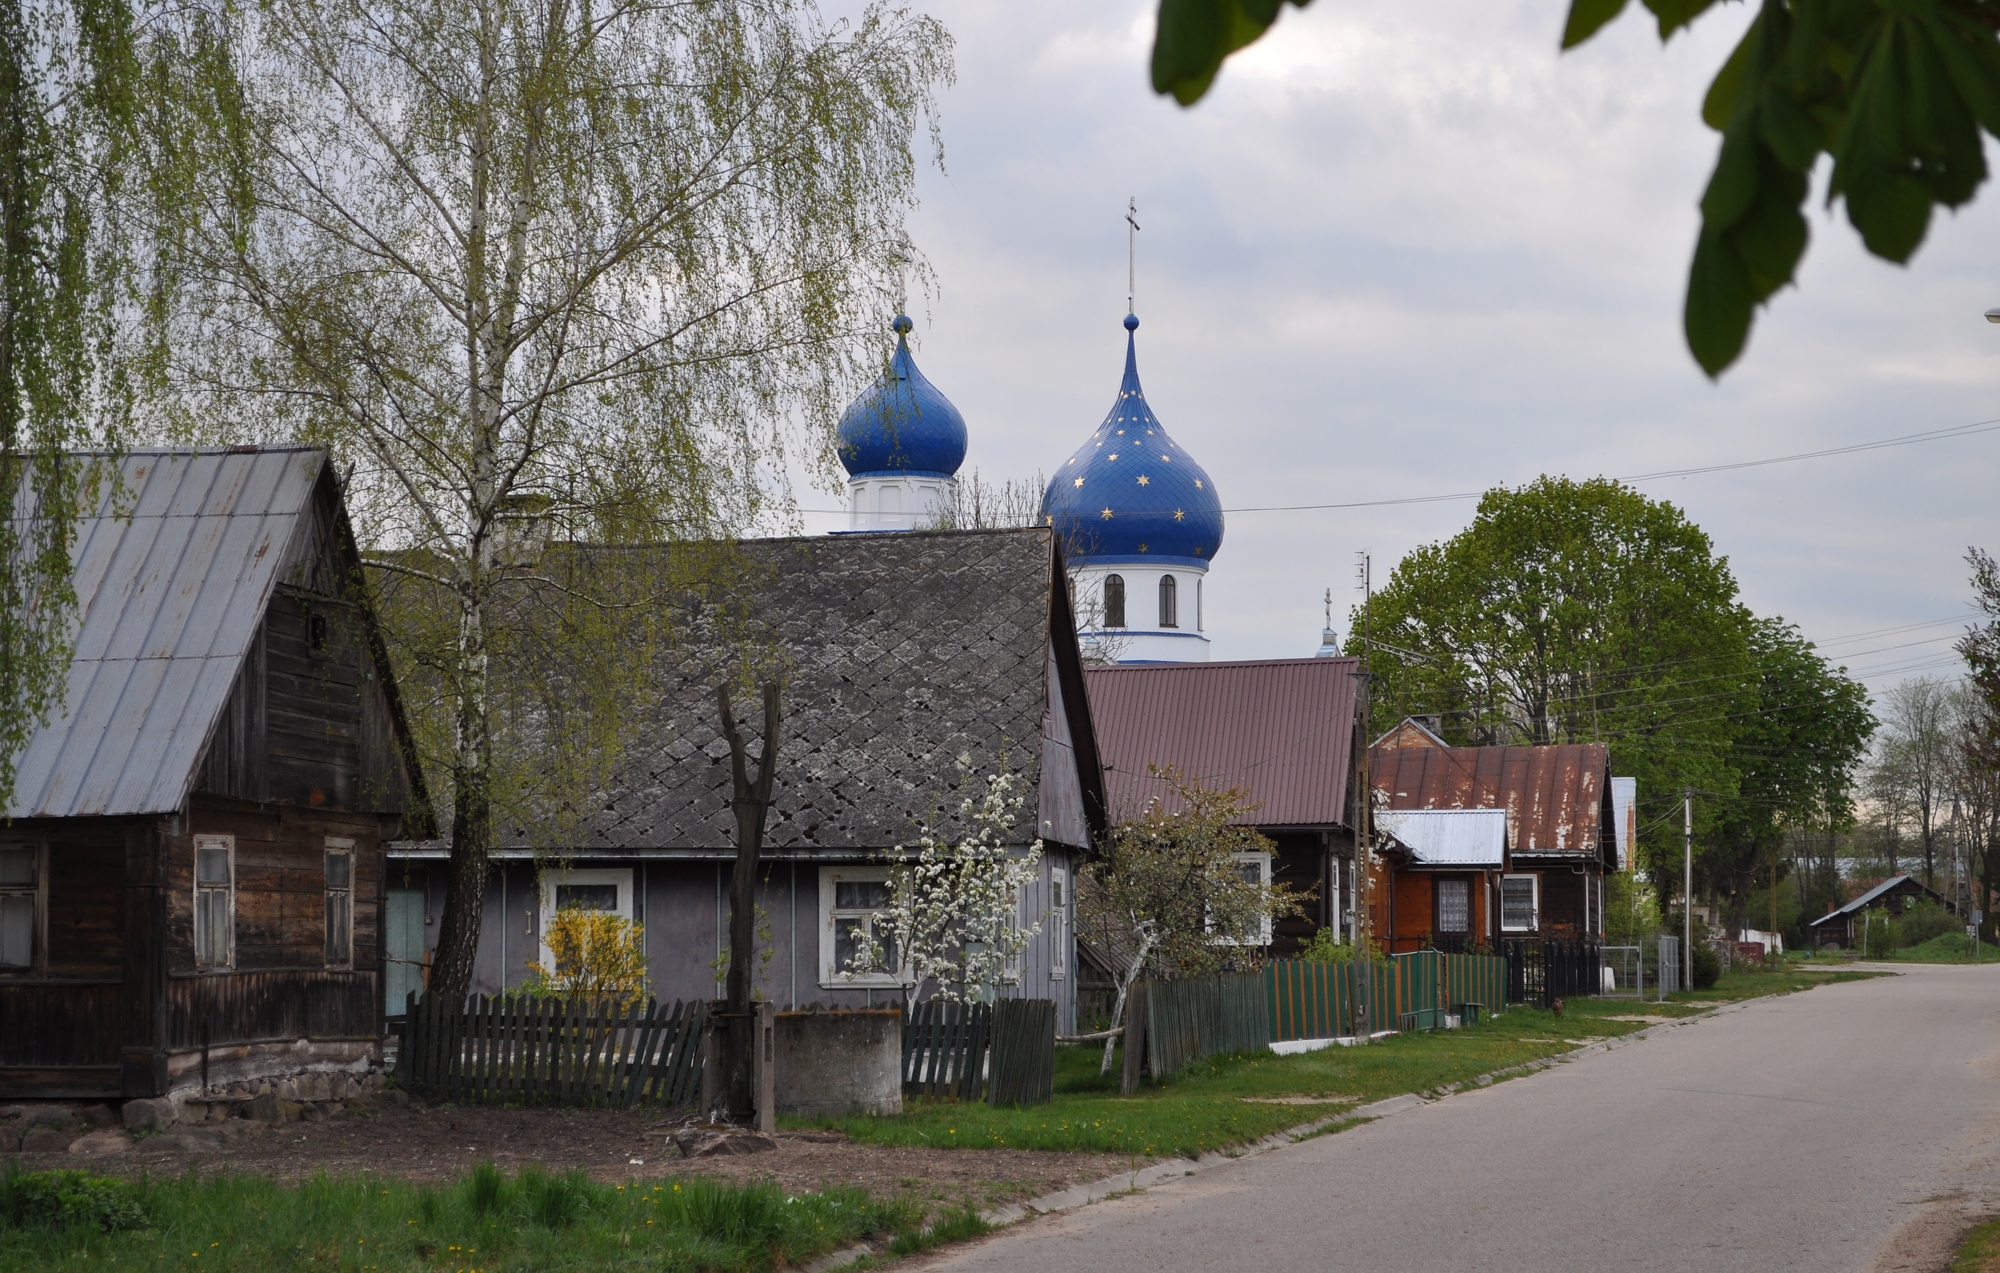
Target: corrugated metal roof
1449	837
1557	798
173	574
1280	729
1861	903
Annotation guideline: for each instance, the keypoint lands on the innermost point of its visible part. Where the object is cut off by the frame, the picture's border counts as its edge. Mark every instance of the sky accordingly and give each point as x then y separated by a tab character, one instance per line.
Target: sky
1410	249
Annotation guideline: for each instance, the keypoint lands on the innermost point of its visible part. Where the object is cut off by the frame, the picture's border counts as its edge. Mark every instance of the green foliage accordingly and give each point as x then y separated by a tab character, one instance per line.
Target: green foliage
534	1219
1327	948
1923	920
1878	933
1897	92
1707	965
1980	648
69	1200
1173	878
960	1226
1631	909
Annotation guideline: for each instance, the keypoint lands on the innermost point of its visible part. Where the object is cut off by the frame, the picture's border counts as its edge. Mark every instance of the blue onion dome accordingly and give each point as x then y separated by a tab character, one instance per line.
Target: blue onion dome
1130	493
902	425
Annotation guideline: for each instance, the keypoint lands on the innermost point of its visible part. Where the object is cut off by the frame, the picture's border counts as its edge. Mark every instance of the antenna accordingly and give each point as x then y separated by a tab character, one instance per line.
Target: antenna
1131	253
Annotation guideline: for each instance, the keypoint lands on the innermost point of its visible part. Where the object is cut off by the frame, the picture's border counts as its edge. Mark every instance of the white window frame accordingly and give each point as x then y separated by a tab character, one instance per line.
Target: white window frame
832	977
228	843
1263	863
1535	902
1059	904
620	876
338	846
38	893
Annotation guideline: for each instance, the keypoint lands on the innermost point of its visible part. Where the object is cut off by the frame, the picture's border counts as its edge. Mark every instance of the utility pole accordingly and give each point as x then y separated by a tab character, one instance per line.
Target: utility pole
1364	875
1687	888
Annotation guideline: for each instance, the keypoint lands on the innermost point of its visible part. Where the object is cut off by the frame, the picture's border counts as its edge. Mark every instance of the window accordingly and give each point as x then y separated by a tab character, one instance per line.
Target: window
596	890
1454	900
214	900
852	900
20	904
1518	903
1255	868
1114	601
339	903
1170	605
1058	923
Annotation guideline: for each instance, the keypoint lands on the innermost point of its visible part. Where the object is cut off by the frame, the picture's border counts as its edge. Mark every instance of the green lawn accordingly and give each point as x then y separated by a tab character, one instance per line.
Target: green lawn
486	1222
1227	1101
1980	1252
1946	948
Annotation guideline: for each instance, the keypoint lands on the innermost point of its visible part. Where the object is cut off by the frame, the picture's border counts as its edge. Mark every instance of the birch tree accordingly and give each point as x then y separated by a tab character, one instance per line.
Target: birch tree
595	270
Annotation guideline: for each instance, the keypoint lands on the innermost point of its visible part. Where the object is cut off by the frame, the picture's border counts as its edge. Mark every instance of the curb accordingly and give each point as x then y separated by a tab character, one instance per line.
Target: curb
1176	1169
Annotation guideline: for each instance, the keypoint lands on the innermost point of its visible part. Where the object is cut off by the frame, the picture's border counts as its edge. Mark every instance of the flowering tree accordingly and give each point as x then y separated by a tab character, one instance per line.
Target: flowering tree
597	955
953	913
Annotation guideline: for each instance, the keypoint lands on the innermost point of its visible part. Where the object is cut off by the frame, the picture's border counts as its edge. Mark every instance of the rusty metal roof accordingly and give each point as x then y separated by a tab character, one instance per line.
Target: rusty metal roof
1280	729
1558	799
173	573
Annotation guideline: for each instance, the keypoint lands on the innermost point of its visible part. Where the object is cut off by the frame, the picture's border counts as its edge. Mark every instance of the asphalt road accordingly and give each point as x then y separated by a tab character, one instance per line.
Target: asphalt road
1853	1126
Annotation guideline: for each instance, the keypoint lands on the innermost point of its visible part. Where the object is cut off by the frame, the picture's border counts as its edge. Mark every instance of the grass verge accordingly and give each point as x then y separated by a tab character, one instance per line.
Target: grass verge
486	1221
1945	948
1980	1252
1227	1101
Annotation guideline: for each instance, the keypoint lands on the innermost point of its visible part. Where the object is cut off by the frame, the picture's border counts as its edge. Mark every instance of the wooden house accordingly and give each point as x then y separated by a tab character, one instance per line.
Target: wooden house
1443	870
192	866
1280	730
1842	925
1561	836
903	655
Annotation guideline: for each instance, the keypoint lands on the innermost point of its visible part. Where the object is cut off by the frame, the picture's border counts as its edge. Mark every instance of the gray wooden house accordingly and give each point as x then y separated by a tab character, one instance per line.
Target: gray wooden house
903	653
191	868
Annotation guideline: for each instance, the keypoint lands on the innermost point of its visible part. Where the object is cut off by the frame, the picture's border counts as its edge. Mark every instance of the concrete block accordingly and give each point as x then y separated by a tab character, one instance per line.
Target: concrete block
843	1062
154	1113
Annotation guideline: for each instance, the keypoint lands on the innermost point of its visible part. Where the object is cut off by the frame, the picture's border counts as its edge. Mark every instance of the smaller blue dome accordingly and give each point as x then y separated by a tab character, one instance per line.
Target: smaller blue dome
902	426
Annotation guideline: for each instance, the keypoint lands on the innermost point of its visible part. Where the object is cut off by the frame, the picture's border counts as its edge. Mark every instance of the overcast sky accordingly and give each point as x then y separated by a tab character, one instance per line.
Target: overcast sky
1405	248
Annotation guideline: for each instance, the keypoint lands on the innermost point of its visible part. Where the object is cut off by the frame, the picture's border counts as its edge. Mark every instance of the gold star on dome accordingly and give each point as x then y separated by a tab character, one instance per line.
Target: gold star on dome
1197	483
1049	520
1121	433
1179	515
1079	481
1107	514
1114	455
1072	459
1143	481
1142	548
1197	552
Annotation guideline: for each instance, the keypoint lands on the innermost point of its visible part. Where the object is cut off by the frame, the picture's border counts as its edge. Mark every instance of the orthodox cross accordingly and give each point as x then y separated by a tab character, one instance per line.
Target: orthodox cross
1131	251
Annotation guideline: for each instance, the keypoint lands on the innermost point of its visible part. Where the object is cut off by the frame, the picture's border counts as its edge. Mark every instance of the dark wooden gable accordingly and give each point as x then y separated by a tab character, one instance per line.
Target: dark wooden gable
313	718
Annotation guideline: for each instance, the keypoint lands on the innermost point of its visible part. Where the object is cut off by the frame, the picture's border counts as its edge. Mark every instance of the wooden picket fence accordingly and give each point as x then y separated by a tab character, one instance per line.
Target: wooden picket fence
1203	1016
1004	1051
1319	1001
552	1052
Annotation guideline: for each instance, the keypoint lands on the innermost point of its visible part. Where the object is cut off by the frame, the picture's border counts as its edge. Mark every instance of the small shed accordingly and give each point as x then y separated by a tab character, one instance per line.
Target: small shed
191	869
1842	925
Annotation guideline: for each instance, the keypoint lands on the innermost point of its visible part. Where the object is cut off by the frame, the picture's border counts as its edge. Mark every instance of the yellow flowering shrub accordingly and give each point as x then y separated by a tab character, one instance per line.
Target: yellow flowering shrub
597	955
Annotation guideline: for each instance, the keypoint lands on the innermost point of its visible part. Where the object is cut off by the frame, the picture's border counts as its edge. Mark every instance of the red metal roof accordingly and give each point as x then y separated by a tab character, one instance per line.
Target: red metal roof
1558	799
1280	729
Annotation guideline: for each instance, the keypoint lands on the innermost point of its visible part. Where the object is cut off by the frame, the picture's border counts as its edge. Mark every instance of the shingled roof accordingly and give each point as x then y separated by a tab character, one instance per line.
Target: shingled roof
1558	798
903	653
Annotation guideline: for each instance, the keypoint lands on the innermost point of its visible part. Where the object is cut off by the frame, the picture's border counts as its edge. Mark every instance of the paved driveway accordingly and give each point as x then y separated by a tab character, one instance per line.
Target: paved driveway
1849	1127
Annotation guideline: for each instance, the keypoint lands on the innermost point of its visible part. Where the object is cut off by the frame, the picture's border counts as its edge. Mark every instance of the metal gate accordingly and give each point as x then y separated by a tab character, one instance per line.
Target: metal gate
1623	974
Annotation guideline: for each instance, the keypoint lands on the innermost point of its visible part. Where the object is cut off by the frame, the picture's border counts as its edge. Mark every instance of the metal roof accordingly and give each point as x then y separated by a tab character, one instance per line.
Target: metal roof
1557	798
173	571
1280	729
1861	902
1449	837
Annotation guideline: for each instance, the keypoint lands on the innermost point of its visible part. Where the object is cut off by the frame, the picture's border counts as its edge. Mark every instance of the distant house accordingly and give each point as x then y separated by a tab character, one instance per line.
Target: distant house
1842	925
1444	869
1282	730
191	872
904	653
1561	839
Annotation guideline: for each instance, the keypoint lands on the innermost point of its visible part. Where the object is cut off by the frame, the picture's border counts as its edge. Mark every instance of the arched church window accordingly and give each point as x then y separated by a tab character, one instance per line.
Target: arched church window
1114	601
1170	603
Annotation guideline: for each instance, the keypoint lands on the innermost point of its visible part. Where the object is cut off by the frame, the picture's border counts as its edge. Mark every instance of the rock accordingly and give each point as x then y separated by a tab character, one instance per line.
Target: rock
695	1143
97	1117
338	1088
263	1107
395	1098
45	1116
46	1140
334	1109
108	1143
189	1142
286	1090
312	1112
150	1113
289	1111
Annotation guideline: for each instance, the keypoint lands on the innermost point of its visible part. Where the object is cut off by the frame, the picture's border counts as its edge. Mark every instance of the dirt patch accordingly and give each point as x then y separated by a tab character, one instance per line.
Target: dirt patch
1927	1242
445	1142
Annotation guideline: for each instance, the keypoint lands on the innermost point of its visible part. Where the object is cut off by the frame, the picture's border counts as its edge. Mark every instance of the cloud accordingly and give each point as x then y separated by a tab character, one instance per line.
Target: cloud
1408	249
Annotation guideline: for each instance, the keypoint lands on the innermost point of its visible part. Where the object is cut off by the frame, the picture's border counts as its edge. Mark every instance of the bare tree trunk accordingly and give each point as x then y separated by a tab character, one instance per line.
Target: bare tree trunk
1125	984
472	816
751	802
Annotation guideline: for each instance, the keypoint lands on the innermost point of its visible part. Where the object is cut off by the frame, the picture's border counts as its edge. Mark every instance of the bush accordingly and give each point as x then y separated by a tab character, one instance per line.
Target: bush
1327	948
1707	966
1922	921
1878	934
69	1199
